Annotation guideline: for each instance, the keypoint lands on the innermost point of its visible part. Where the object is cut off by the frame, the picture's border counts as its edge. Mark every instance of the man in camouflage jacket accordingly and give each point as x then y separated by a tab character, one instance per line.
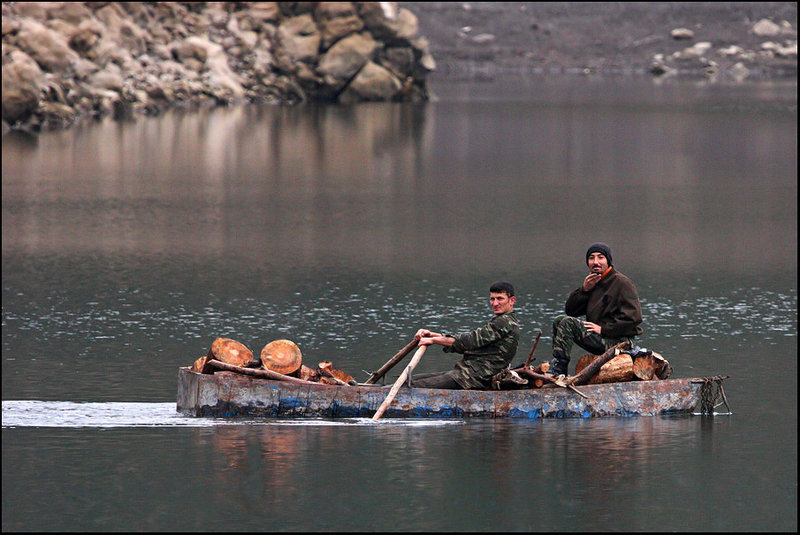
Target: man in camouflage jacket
609	301
487	350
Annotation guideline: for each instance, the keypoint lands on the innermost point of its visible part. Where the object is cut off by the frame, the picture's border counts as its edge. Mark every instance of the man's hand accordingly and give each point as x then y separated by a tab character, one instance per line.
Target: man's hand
425	333
592	327
591	280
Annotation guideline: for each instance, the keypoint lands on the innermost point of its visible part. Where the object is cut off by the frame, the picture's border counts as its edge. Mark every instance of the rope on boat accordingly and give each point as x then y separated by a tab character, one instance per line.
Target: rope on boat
712	394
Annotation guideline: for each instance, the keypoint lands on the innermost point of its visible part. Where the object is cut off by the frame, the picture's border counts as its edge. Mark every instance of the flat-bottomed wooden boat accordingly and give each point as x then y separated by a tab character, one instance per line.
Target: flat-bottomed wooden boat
228	394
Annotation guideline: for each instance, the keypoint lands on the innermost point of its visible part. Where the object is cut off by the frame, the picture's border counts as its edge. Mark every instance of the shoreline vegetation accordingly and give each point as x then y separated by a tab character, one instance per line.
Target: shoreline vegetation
64	62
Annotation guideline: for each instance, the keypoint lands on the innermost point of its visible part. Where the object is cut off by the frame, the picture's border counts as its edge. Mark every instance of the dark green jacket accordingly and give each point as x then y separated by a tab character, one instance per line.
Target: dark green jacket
613	304
487	351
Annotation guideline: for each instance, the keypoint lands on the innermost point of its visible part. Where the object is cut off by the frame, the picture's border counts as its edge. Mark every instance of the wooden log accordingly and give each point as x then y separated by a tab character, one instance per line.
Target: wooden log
309	374
666	369
266	374
589	371
391	363
201	366
536	376
282	356
400	380
651	367
584	361
644	367
327	369
617	370
541	368
558	381
508	380
230	352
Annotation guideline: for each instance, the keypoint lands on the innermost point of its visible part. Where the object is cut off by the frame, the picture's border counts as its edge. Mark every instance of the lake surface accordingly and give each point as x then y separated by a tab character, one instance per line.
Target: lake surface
127	248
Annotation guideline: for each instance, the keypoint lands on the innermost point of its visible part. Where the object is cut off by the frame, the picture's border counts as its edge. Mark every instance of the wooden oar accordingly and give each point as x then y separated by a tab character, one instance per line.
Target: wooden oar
400	380
391	363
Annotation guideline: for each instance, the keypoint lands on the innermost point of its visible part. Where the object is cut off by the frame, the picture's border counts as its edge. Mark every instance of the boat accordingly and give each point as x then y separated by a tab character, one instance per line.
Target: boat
230	395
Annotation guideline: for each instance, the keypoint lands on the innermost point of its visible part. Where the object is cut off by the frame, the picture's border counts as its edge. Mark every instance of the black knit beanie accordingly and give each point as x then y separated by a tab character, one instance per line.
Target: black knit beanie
599	247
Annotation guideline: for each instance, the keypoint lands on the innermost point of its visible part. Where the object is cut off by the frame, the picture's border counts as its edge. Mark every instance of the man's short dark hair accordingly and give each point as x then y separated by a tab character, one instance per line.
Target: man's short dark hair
502	287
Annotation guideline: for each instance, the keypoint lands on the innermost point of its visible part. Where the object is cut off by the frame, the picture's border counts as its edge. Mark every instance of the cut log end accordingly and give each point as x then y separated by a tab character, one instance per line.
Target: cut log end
230	352
201	366
651	367
282	356
326	369
308	374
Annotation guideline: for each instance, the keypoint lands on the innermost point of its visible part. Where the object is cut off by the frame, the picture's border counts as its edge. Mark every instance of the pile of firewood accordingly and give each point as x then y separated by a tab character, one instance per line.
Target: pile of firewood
280	359
617	365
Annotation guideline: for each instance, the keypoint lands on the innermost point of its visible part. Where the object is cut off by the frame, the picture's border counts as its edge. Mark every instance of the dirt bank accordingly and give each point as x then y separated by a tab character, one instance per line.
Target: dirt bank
612	38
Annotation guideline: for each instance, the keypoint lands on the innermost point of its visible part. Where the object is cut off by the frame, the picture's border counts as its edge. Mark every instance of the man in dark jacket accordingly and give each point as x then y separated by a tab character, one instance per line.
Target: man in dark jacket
487	350
609	301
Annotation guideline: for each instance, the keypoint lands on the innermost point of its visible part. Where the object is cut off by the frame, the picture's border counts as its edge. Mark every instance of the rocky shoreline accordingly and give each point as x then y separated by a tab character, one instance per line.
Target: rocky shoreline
63	61
67	61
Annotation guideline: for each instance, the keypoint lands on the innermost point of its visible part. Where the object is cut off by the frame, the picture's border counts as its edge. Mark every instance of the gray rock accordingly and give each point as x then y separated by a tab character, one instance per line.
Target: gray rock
372	83
22	86
47	47
299	39
681	34
766	28
344	59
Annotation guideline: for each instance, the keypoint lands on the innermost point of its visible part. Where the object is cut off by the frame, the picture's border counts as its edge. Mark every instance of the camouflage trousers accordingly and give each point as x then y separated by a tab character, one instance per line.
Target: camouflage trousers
568	331
434	380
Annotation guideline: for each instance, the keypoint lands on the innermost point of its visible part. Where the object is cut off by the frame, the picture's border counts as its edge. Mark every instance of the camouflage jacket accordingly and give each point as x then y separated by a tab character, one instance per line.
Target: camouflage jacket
613	304
487	350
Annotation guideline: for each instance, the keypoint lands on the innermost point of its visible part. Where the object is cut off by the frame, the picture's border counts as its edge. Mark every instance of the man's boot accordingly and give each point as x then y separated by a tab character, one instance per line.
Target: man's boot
559	365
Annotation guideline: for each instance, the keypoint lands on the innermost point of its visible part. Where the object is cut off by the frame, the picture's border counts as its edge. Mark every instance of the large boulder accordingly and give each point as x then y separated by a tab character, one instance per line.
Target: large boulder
344	59
298	40
337	20
373	82
23	83
47	47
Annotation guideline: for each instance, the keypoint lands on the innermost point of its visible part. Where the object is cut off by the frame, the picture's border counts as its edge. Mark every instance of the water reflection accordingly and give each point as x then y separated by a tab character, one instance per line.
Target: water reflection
277	470
331	186
127	248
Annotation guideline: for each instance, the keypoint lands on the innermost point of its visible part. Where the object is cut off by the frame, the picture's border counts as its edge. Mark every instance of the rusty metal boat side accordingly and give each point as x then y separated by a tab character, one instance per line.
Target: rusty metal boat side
227	394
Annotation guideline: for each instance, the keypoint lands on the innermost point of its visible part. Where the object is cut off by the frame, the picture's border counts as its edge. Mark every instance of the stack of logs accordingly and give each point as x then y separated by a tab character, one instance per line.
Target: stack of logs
617	365
280	359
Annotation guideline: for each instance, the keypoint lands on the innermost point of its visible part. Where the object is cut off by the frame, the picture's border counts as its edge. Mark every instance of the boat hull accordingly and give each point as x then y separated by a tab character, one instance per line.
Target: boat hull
227	394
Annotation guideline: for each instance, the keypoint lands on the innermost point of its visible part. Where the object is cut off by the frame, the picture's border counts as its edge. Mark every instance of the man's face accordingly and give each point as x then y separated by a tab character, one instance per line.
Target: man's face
598	263
501	303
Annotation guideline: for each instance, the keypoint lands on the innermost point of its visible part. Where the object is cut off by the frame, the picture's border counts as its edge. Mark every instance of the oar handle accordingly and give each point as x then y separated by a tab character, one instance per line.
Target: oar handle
400	380
391	363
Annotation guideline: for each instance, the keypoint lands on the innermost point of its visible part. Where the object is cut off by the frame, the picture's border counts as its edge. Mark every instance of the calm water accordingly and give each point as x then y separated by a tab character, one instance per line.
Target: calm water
128	247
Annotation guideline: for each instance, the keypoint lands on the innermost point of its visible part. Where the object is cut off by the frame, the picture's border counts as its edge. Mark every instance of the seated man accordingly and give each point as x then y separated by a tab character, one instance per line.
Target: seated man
609	301
487	350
